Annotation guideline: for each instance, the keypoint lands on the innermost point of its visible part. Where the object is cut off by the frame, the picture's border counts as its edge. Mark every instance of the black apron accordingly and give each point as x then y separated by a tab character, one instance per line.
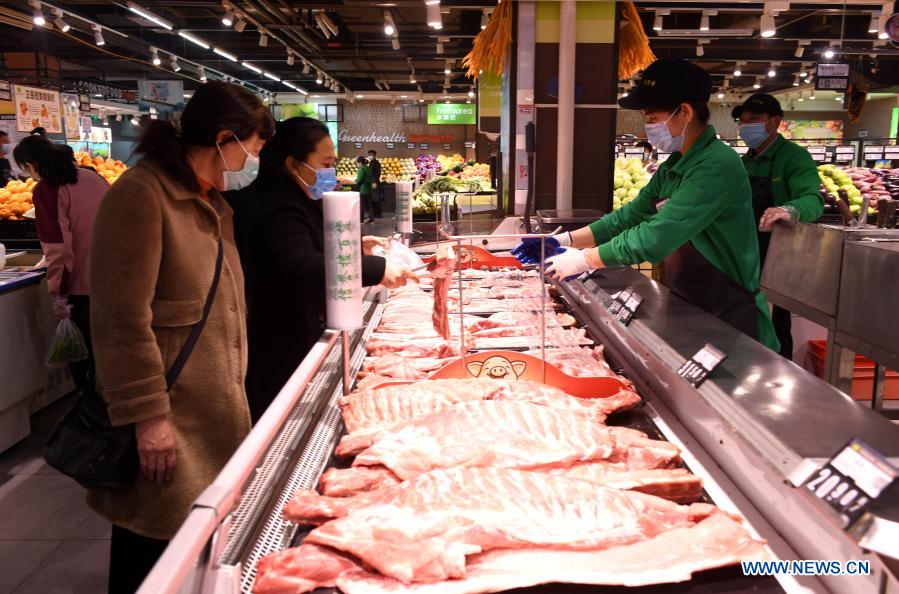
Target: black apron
762	200
690	276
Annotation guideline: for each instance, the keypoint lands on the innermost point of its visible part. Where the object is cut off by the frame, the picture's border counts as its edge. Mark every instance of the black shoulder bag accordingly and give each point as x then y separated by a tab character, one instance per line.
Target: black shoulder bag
86	447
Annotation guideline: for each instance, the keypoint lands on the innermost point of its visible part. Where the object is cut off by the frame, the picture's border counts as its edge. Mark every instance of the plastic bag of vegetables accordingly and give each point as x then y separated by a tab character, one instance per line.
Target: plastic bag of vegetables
68	344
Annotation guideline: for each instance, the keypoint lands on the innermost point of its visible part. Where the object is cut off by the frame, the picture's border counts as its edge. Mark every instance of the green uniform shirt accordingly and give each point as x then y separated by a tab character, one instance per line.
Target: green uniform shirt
709	203
364	179
794	177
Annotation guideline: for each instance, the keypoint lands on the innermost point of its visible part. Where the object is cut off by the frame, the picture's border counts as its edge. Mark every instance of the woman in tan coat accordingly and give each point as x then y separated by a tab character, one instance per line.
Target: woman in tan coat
155	247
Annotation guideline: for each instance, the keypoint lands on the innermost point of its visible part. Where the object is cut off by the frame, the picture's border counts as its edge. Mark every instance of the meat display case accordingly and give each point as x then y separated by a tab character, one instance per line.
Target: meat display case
754	432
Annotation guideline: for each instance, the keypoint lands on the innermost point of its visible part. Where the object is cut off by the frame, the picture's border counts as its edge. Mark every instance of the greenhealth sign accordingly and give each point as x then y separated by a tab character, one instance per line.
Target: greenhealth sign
451	113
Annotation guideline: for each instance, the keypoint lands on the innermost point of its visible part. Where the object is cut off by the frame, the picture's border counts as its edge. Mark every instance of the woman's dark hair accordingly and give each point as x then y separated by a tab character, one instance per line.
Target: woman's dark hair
294	137
39	131
700	108
214	106
53	162
361	160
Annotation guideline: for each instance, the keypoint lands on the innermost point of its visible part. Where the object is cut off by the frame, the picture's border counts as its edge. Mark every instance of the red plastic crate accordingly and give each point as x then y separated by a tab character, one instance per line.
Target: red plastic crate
862	377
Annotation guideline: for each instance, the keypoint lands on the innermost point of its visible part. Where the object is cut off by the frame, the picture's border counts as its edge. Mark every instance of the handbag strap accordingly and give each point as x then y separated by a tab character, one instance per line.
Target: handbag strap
172	376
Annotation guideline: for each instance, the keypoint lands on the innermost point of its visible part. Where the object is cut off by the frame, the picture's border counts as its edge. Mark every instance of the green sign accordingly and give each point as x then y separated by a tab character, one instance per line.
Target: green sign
451	113
490	95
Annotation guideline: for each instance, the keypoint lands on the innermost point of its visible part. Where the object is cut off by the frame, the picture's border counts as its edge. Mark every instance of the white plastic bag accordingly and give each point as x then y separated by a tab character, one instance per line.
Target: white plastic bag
402	256
68	344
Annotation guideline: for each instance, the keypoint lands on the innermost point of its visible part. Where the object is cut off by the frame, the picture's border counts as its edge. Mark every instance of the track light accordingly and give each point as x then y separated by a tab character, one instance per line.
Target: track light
829	53
772	71
700	51
98	36
811	96
767	27
737	71
412	79
485	18
135	120
252	67
154	56
796	81
59	22
201	70
240	25
318	78
434	19
657	22
882	25
389	27
306	67
801	96
271	76
704	19
471	92
290	59
228	18
39	19
193	39
174	64
439	48
872	25
720	95
800	49
757	85
263	39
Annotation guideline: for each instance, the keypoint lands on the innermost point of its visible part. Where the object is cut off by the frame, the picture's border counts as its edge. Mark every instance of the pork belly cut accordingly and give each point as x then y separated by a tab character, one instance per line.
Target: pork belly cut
300	569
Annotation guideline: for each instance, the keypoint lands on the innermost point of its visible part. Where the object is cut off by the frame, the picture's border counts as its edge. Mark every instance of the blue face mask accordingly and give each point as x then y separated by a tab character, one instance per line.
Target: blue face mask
753	134
660	136
325	181
236	180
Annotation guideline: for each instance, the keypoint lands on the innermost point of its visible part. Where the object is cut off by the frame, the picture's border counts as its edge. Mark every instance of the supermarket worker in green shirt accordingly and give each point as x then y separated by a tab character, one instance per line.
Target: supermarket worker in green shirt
694	216
784	182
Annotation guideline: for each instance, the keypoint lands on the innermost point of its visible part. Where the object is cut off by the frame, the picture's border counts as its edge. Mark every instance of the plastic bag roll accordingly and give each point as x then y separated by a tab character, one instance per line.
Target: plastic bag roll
404	207
343	260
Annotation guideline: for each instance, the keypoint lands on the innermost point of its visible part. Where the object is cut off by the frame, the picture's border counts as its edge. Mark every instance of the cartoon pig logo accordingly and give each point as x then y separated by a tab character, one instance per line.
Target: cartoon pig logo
497	367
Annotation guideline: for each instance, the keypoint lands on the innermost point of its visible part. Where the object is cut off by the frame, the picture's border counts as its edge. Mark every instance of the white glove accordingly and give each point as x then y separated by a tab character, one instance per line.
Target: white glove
568	264
564	238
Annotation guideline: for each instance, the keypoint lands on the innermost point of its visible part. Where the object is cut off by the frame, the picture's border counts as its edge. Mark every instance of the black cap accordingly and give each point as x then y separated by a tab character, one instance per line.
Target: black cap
759	103
667	79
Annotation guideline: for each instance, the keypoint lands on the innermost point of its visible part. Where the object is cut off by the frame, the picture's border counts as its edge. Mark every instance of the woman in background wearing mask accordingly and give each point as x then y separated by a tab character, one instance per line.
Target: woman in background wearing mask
694	216
784	181
161	233
286	287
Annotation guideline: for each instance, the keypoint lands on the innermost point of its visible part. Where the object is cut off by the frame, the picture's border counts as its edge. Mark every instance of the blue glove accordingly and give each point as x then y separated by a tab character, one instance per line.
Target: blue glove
528	251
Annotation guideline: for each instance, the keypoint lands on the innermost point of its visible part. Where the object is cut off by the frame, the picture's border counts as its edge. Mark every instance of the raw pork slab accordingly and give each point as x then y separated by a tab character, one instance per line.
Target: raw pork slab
300	569
672	556
675	484
433	523
499	433
383	408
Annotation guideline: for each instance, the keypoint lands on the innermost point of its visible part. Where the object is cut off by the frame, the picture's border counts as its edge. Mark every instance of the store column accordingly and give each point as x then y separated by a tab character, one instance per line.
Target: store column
588	161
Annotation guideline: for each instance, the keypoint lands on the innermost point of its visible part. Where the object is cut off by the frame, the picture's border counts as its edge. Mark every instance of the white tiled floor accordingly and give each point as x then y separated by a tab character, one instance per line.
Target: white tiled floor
50	541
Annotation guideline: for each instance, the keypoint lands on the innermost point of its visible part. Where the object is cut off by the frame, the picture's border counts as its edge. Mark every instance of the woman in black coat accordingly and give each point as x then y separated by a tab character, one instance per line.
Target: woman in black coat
285	259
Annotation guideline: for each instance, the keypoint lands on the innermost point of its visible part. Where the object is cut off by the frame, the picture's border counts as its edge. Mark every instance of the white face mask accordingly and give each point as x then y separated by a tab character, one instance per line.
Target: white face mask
4	148
236	180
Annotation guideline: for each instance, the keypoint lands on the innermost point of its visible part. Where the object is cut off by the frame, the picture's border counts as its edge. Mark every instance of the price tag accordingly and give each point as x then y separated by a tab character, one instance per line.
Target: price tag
629	308
698	368
851	480
410	145
662	157
617	302
357	145
819	156
424	146
390	145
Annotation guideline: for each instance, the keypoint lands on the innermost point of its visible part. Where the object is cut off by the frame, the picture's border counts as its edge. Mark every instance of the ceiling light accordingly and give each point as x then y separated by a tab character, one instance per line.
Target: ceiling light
811	97
872	25
201	70
318	78
118	117
412	79
145	14
39	19
801	96
359	96
228	18
240	25
801	47
737	71
700	51
434	19
421	100
796	81
837	98
98	36
290	59
471	93
704	21
154	56
61	24
263	39
829	53
756	85
98	95
271	76
252	67
447	70
174	64
135	120
882	26
485	17
720	95
224	54
767	26
306	67
193	39
772	72
389	28
395	43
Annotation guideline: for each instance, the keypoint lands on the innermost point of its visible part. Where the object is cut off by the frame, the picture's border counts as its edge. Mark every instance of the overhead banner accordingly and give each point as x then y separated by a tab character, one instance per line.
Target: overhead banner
811	129
37	108
164	95
451	113
70	116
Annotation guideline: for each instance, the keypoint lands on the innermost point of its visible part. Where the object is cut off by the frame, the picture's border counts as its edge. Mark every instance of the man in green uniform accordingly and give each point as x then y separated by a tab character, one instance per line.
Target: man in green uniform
784	182
694	216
